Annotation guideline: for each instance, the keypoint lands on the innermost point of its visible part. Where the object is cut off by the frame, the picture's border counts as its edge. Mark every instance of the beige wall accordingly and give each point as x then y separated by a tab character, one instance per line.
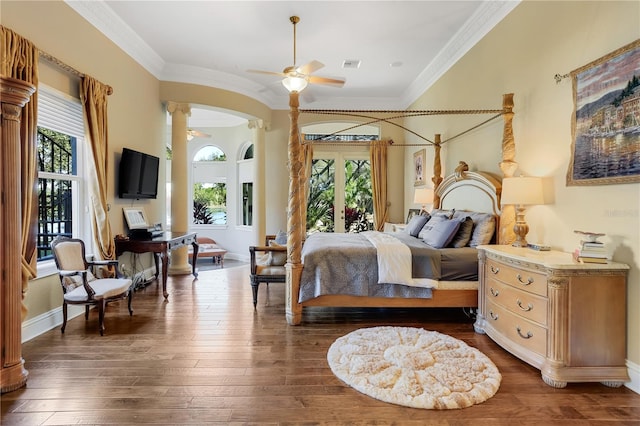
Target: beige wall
522	55
136	117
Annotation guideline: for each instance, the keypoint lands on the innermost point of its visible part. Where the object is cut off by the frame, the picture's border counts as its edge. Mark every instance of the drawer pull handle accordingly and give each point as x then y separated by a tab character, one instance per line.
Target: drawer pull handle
493	292
494	270
528	336
493	316
527	309
527	282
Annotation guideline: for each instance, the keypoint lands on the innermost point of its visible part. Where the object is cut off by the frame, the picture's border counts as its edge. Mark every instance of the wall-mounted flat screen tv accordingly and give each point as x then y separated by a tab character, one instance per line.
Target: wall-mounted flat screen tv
138	175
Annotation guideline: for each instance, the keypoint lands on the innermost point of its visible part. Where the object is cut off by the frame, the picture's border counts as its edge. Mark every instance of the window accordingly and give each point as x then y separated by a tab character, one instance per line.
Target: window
245	177
60	188
209	186
247	203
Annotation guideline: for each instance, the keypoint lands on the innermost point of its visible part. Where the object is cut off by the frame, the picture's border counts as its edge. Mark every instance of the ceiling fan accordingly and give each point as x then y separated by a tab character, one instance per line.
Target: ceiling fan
191	133
296	78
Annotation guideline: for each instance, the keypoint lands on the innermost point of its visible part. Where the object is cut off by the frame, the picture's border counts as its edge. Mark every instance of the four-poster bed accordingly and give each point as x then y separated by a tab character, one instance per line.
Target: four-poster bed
463	190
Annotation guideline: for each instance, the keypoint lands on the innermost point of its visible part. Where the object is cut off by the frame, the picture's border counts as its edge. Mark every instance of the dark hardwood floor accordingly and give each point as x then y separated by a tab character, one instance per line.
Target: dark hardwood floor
207	357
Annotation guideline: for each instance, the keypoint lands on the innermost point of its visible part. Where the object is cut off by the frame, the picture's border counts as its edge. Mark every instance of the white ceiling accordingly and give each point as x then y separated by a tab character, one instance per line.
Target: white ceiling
403	46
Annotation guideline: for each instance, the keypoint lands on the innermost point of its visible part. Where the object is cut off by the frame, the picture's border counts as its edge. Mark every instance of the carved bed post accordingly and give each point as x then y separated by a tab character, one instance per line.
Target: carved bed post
437	170
508	165
295	227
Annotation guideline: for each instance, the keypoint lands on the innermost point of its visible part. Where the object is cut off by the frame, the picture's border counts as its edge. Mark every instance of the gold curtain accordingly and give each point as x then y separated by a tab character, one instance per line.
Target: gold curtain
93	96
19	59
378	157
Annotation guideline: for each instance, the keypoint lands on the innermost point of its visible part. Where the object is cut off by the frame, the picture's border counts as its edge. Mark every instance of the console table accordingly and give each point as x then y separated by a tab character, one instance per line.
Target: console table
567	319
160	247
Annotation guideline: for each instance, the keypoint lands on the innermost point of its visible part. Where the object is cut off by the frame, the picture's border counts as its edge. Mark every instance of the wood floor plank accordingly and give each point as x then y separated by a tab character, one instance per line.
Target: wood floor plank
206	356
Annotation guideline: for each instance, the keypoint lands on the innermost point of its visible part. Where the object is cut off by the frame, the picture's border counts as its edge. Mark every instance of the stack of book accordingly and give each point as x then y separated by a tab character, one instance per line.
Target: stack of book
590	252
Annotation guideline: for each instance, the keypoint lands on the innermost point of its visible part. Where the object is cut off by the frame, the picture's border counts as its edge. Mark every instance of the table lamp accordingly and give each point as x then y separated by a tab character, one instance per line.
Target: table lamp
423	196
521	191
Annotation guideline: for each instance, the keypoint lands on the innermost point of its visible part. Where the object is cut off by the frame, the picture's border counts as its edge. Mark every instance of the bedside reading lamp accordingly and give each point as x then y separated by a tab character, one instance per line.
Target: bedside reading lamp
521	192
423	196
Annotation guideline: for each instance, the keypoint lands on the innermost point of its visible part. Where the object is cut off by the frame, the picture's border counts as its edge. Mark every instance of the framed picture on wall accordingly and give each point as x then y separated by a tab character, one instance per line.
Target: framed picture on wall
606	120
418	167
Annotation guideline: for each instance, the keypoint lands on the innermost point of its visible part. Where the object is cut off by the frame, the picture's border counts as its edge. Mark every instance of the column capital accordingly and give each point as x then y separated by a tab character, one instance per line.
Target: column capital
176	106
259	124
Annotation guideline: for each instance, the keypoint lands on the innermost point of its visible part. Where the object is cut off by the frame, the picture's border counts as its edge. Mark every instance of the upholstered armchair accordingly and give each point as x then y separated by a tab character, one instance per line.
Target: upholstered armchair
267	264
79	284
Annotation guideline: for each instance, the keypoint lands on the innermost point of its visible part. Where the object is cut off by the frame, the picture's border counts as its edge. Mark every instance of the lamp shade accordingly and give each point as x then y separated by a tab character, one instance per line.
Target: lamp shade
522	190
423	196
294	83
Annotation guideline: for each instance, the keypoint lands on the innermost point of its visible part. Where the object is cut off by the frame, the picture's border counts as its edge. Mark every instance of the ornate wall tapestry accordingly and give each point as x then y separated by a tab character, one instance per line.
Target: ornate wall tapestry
606	120
419	158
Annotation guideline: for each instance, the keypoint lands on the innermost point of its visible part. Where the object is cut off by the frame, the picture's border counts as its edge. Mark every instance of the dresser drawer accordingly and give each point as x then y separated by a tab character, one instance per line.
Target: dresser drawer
520	331
526	280
527	305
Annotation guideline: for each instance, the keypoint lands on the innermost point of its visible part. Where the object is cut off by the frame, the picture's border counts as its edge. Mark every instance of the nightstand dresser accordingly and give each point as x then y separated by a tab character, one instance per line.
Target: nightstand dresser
567	319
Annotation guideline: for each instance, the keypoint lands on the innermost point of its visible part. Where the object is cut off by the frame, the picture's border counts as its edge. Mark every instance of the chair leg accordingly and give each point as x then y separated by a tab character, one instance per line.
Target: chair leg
64	316
130	296
86	312
254	288
101	308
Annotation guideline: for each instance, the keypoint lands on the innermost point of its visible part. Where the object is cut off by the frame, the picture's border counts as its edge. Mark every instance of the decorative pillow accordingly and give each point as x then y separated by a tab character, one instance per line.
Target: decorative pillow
449	214
463	235
281	238
415	225
439	231
484	225
74	281
276	258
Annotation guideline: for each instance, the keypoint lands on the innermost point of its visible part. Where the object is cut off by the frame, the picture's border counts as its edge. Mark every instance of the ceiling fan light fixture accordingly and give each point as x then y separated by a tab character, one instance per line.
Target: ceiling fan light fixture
294	83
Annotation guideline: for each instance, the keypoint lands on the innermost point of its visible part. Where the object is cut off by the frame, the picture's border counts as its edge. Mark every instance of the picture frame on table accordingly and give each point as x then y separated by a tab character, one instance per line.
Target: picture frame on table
412	213
419	158
135	217
605	128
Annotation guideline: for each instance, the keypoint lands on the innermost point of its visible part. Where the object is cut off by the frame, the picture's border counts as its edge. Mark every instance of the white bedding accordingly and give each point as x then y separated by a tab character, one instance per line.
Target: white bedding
394	261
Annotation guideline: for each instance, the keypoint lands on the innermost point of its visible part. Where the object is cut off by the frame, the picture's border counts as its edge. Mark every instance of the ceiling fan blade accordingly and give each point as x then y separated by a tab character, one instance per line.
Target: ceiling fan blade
267	72
310	67
197	134
338	82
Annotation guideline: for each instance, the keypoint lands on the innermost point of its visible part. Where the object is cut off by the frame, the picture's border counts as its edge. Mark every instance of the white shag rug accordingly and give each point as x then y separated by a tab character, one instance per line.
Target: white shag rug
414	367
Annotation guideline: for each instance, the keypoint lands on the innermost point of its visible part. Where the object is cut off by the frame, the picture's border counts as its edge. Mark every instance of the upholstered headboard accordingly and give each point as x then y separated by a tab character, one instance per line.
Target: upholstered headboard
475	191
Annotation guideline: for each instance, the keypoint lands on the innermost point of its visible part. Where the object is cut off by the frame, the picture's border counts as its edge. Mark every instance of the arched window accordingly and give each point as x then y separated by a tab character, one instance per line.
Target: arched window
248	153
245	178
209	186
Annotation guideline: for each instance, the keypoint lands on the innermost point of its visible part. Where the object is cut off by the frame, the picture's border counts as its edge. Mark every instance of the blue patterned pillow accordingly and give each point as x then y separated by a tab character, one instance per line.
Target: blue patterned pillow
439	231
415	225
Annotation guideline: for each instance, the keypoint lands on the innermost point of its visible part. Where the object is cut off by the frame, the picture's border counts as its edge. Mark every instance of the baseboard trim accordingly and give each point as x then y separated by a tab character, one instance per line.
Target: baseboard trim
47	321
634	374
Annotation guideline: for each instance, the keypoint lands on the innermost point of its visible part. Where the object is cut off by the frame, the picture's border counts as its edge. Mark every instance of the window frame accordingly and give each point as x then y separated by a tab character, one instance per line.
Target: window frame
63	113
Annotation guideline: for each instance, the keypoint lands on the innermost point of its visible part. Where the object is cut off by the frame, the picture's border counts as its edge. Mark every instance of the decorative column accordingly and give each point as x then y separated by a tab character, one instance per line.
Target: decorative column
508	166
295	227
179	201
14	94
258	128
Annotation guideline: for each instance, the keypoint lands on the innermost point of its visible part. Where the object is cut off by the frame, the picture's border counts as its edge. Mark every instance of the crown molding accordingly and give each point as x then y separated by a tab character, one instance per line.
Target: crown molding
488	15
102	17
105	20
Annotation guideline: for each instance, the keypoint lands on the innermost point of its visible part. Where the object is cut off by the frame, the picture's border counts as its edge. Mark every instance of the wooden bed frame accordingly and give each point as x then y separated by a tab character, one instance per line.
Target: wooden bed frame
463	190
